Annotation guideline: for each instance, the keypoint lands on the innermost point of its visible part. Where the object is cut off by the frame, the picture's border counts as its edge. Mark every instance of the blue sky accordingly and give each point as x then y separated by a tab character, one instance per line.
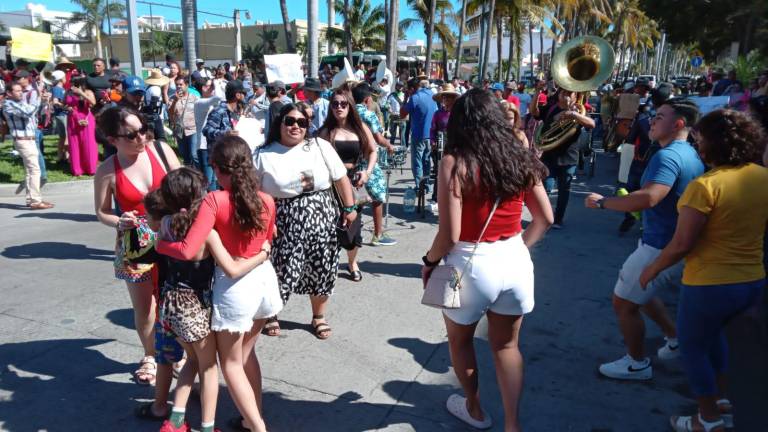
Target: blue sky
262	10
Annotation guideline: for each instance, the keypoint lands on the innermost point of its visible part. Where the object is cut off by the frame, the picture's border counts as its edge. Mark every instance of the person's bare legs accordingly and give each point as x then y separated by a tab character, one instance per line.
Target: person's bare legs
462	349
230	347
202	354
319	304
657	312
378	218
144	305
352	260
186	378
251	360
503	337
631	325
162	389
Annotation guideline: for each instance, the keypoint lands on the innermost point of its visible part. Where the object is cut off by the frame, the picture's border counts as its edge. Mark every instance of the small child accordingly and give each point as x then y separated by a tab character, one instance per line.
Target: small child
185	295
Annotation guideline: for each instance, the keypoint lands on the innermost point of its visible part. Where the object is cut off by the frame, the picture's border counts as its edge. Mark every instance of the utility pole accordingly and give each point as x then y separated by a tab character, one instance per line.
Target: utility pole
314	45
133	38
238	43
331	23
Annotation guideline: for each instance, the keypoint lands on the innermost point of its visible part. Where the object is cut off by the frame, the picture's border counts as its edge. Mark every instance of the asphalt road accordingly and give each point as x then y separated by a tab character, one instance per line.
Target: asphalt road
67	344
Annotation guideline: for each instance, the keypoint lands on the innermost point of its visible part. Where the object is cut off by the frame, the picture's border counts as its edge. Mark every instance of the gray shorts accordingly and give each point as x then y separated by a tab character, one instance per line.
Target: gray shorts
60	125
628	285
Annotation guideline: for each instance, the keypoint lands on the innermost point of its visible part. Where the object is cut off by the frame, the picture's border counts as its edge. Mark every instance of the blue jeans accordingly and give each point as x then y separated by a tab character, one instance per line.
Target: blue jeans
421	163
207	169
41	157
702	314
563	174
188	150
396	129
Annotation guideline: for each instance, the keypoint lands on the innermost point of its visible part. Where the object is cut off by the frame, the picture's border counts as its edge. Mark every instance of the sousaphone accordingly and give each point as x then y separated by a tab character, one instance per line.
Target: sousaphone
580	65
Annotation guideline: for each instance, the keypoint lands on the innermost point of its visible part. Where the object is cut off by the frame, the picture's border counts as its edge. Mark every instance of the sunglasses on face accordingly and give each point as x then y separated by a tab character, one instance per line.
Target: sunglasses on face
339	104
134	134
300	122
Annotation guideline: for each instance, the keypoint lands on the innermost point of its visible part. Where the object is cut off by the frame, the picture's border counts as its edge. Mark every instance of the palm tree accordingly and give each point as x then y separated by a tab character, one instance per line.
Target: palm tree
287	27
161	43
363	23
189	30
269	40
424	10
462	25
393	30
92	18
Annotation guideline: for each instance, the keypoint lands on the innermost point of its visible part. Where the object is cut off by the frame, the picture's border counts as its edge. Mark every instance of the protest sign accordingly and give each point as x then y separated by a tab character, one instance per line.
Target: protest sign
285	68
31	45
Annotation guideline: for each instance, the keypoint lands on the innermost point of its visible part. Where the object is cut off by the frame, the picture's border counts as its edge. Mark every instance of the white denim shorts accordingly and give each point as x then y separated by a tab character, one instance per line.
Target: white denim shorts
628	285
500	279
238	302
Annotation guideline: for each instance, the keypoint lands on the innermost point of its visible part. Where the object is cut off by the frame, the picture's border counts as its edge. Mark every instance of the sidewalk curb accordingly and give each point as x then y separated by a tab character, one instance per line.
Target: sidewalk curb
74	186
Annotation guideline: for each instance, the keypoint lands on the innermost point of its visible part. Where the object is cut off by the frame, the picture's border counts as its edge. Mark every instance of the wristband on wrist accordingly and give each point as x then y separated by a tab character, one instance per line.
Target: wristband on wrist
349	209
601	203
429	263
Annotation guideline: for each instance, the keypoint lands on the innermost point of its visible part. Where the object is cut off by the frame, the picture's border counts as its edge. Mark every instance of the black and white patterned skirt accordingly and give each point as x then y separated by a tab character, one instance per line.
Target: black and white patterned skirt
305	253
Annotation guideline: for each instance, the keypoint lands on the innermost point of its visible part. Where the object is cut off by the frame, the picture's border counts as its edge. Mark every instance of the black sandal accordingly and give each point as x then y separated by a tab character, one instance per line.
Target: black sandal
355	275
144	412
272	327
322	330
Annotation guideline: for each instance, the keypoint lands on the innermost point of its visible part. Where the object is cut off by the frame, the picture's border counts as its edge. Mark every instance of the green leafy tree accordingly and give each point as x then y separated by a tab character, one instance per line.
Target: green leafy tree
92	17
366	26
161	43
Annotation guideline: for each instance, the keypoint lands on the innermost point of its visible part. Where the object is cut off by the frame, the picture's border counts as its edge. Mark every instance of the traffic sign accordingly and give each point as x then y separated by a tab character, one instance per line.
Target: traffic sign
697	61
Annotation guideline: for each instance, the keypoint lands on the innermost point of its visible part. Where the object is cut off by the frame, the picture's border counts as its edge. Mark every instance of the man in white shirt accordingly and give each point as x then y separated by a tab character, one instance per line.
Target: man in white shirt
360	72
312	90
203	107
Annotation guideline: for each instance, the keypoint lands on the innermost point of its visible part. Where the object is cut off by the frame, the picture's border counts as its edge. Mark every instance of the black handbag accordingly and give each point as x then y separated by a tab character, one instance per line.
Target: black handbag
345	234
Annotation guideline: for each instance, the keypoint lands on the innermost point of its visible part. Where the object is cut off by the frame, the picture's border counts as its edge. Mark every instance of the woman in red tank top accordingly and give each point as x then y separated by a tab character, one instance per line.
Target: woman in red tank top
485	164
127	176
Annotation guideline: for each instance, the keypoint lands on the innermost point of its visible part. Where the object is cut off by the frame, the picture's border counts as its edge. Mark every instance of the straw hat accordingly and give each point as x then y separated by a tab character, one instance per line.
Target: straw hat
63	63
157	78
446	89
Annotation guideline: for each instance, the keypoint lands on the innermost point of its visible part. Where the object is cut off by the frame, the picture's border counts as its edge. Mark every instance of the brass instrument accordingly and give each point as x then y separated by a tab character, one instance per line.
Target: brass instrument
579	65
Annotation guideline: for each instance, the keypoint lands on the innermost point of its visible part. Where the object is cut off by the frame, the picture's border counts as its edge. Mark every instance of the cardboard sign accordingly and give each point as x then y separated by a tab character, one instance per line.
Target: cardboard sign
284	67
252	131
31	45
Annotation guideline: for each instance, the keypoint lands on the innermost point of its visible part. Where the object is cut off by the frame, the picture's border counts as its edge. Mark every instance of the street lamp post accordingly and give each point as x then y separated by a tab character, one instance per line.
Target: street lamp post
238	42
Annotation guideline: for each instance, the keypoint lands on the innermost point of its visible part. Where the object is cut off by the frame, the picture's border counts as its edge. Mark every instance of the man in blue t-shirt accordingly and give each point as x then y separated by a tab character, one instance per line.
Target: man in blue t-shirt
665	178
421	107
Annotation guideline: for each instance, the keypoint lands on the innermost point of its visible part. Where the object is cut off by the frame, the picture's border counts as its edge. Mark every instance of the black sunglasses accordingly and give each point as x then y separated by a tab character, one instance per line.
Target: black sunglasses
134	134
339	104
301	122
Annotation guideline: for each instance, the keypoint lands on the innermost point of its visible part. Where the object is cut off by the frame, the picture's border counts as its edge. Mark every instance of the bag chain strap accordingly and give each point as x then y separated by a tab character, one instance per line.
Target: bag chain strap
477	243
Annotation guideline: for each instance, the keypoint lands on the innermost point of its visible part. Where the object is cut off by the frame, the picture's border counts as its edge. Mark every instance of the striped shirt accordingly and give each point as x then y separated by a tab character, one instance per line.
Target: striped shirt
21	118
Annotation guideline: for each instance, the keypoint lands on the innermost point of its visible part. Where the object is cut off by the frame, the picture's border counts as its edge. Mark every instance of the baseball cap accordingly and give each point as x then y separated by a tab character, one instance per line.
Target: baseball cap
497	86
117	76
21	74
133	84
511	85
198	61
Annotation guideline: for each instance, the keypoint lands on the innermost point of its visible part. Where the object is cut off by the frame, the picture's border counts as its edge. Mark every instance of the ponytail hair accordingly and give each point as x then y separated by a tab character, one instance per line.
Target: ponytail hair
232	156
182	192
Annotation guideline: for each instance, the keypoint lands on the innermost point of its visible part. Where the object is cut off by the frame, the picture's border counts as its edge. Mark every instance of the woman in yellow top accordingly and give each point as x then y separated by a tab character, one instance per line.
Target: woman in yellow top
722	220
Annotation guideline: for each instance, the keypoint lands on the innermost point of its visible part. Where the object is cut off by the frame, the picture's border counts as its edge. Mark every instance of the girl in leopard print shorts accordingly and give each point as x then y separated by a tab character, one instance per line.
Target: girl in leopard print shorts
185	293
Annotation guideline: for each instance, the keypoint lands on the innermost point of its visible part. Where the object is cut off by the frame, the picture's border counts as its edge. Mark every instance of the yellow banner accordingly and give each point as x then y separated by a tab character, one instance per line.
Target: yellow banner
31	45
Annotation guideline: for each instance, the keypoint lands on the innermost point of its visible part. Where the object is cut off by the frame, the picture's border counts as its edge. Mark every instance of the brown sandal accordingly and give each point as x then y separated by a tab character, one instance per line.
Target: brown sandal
322	330
272	327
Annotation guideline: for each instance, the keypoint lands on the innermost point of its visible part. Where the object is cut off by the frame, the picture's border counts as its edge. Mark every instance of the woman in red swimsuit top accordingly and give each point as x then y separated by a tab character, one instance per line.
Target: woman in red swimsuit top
487	175
127	176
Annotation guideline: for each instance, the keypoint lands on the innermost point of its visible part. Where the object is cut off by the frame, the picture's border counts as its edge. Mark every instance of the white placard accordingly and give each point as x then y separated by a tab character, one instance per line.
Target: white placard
251	130
284	67
711	103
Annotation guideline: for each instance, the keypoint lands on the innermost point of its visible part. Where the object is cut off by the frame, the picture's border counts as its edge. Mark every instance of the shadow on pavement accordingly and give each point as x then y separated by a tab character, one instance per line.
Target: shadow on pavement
407	270
57	250
122	318
13	206
422	352
74	217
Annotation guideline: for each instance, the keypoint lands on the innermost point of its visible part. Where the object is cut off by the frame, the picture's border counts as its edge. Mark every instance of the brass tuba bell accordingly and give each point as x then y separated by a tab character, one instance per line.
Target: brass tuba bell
580	65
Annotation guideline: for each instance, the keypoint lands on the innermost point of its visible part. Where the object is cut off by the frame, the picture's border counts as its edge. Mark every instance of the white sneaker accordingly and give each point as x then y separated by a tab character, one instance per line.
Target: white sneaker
670	350
432	207
628	368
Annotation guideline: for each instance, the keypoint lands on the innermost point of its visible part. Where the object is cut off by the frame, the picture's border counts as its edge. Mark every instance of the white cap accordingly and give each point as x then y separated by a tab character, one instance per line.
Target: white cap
58	75
199	61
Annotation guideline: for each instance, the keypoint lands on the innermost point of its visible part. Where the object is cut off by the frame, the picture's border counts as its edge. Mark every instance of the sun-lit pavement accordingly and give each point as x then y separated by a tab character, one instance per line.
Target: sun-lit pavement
67	346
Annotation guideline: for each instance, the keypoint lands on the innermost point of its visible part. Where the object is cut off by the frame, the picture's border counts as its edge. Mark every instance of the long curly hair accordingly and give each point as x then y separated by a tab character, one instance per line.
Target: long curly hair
730	138
482	140
183	191
354	122
232	156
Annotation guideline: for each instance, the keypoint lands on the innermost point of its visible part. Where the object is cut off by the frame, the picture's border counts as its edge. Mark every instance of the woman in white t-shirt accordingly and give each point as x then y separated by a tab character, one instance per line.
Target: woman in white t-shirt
299	173
220	84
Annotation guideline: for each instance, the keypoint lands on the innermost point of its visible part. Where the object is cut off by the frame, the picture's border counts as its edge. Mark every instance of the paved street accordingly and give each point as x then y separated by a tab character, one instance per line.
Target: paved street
67	344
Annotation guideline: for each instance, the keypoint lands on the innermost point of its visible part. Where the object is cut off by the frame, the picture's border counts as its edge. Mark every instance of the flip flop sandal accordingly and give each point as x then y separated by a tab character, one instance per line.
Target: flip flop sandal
144	412
236	423
457	405
685	424
322	330
147	368
272	327
355	275
179	365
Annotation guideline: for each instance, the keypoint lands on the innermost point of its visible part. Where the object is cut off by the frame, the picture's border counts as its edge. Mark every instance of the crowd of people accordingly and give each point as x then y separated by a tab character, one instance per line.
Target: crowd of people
212	243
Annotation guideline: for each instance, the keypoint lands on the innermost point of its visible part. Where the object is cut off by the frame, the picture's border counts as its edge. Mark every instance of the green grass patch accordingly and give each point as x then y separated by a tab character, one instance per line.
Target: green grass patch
12	168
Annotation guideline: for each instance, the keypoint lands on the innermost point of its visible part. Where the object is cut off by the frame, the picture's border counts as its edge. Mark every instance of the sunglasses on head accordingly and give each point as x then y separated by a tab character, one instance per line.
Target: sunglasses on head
300	122
134	134
339	104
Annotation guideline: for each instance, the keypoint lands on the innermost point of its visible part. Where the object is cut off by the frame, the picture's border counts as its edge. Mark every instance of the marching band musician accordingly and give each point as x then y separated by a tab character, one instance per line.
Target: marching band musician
561	161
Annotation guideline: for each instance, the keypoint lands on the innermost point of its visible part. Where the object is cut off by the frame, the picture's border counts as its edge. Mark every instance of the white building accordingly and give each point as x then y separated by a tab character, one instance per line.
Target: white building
34	14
